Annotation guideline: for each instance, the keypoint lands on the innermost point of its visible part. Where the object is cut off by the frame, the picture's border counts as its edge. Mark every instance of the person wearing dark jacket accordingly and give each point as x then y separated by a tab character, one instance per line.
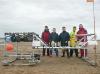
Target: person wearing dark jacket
64	39
54	38
46	39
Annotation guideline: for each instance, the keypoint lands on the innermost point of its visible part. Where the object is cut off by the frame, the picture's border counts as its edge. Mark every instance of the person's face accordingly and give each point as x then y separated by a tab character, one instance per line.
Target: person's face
54	30
46	28
80	26
63	29
74	29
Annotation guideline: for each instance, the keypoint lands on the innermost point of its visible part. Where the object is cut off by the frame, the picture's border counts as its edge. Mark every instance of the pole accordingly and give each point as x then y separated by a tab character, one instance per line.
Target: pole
94	18
95	56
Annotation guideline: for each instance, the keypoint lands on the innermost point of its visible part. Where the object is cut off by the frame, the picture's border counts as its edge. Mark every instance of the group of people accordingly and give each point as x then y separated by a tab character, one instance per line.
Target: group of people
63	39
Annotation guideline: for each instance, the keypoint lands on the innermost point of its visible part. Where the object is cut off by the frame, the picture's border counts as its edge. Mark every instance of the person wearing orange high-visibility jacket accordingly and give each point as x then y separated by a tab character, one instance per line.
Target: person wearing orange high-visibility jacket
73	41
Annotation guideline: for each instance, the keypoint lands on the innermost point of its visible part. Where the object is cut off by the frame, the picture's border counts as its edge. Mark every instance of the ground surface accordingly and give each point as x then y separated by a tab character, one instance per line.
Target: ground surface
53	65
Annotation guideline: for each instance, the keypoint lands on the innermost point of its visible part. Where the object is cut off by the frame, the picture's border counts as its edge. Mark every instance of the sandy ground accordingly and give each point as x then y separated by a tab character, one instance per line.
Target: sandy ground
53	65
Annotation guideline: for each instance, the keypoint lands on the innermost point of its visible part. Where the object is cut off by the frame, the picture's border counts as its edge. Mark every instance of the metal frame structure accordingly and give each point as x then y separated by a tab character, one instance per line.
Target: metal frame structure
91	62
33	58
30	58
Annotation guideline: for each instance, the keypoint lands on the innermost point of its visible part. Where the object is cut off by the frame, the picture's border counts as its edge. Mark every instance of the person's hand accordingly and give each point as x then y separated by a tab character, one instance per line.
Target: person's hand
68	43
58	44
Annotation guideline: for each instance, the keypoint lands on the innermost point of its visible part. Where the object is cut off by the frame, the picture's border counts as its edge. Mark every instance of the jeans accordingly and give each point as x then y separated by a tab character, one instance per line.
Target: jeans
55	50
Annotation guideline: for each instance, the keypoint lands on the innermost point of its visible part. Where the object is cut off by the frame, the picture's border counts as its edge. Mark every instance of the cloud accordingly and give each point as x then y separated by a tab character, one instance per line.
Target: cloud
32	15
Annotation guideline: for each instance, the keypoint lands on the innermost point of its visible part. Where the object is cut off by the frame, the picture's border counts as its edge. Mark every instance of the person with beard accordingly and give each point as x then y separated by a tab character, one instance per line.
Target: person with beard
64	39
81	31
46	39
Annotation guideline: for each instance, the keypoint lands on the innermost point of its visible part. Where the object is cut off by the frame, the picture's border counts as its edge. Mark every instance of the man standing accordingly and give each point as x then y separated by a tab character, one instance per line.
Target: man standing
73	41
81	31
46	39
54	38
64	39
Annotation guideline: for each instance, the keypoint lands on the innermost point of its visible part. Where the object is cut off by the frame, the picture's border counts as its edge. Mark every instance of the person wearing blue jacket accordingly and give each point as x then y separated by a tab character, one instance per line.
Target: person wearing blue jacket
54	38
64	39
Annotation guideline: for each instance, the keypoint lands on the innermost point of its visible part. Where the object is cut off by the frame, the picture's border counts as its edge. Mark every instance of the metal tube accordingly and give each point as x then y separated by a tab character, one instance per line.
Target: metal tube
59	47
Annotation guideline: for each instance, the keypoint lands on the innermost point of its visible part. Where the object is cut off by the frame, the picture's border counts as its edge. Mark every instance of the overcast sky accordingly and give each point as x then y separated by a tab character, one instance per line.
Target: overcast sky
33	15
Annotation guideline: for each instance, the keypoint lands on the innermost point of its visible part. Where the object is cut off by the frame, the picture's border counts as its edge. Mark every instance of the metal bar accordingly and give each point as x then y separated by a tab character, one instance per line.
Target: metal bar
24	64
20	55
94	23
2	44
84	34
60	47
91	62
40	40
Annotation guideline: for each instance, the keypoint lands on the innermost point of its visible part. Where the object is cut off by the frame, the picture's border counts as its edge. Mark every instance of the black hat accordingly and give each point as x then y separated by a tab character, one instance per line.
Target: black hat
63	27
46	26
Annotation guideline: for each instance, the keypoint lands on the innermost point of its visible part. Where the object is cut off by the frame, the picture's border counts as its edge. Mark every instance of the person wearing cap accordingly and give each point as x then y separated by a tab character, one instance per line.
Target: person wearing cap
73	41
64	39
81	31
54	38
46	39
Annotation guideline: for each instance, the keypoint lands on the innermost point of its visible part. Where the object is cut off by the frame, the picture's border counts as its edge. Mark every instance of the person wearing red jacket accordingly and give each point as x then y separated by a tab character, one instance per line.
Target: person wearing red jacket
81	31
46	39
